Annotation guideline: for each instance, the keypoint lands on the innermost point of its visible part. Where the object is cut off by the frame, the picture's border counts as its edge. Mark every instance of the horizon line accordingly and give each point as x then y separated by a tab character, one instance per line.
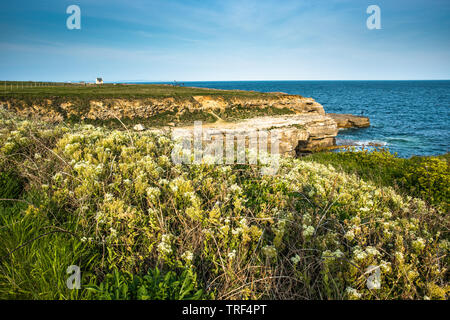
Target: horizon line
182	81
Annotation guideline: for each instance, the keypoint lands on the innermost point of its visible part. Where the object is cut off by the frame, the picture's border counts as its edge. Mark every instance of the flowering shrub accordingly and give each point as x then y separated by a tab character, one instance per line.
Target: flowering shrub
424	177
310	231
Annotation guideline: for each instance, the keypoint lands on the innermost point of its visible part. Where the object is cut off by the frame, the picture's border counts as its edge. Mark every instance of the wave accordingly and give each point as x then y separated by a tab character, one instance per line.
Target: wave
361	143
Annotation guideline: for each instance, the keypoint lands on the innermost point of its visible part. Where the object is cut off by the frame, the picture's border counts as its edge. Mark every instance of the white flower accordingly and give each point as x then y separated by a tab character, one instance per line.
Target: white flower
418	244
349	235
235	189
399	256
269	251
372	251
308	231
295	259
188	256
165	247
232	255
359	254
352	293
113	232
153	194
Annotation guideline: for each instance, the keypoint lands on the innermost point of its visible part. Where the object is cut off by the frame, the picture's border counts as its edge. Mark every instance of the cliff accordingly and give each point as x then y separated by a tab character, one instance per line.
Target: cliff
166	109
301	123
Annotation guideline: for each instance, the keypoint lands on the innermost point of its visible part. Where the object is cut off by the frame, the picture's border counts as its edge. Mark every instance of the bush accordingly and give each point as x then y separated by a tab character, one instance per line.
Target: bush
308	232
424	177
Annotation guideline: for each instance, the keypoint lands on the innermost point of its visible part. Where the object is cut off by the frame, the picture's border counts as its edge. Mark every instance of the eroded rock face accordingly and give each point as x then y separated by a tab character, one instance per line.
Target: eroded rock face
112	108
349	121
306	129
293	134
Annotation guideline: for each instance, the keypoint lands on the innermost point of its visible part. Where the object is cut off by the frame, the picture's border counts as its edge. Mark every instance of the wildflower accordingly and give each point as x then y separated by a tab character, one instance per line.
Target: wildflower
371	251
308	231
295	259
352	294
349	235
338	253
387	215
237	231
359	254
235	189
418	245
399	256
188	256
232	255
153	194
165	247
113	232
269	251
57	177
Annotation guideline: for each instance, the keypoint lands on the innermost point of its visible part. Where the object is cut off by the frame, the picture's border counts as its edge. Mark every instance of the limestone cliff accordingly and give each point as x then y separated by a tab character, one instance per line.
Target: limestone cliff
295	134
301	122
59	109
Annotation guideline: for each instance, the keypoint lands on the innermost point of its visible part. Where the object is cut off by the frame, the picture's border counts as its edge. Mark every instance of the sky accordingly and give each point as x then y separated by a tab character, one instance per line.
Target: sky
209	40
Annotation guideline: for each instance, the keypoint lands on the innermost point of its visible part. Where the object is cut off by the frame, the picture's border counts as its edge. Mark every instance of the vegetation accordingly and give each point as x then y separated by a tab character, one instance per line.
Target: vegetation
75	103
424	177
152	286
15	90
140	227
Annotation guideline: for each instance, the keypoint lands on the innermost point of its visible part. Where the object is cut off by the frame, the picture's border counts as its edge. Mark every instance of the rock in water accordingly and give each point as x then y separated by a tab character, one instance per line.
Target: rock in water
349	120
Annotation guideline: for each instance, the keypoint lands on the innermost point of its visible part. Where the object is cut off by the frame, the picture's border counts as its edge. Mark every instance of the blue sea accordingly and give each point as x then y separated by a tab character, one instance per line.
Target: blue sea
408	117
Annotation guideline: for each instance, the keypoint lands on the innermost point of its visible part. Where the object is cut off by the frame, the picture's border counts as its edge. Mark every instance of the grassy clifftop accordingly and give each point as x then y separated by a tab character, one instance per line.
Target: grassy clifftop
151	105
16	90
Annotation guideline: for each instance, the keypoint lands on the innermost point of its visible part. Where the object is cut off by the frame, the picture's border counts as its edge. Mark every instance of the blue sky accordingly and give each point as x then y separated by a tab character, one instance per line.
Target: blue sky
212	40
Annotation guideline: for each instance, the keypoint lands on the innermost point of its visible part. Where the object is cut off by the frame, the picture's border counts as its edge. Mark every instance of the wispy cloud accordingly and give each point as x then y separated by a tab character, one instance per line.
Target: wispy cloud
232	39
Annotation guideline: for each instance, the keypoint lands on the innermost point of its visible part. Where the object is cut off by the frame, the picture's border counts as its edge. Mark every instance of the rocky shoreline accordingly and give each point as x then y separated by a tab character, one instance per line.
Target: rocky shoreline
301	124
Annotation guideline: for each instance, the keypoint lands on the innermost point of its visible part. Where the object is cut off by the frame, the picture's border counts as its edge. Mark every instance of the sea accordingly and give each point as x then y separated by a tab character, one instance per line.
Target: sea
407	117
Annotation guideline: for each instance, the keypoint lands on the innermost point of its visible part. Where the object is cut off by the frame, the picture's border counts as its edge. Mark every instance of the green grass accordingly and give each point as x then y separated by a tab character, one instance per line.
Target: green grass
154	285
34	252
53	96
240	112
118	91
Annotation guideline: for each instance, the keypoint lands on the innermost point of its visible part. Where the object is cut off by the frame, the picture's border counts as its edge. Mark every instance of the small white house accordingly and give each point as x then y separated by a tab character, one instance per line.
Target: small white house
99	81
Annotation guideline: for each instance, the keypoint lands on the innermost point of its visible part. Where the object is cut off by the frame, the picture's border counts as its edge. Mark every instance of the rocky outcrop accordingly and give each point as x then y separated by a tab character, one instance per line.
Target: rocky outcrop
349	121
293	134
302	127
